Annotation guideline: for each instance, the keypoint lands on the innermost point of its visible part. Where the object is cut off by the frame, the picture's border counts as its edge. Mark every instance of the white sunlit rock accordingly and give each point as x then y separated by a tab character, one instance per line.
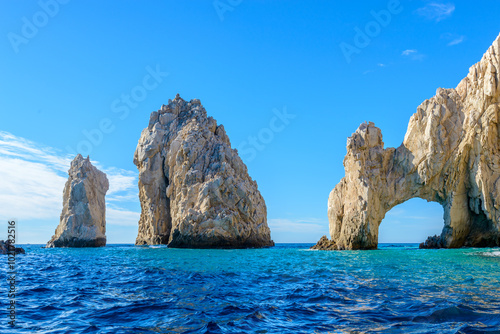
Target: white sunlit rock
83	218
194	189
450	155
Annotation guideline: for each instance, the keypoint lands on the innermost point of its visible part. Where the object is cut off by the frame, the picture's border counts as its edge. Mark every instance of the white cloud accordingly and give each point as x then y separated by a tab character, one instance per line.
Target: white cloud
453	39
121	217
408	52
29	190
456	41
32	178
413	54
436	11
402	214
297	225
298	230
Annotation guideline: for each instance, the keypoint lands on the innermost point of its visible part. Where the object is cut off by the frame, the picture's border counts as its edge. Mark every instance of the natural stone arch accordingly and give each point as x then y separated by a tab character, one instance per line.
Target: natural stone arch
411	222
450	155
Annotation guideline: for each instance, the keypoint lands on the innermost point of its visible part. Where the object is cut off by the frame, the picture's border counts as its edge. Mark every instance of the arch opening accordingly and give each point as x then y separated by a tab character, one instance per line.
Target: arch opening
411	222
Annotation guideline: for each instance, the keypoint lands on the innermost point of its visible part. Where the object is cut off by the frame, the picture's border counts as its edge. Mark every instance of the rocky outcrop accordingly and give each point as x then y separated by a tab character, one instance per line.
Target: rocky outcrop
432	243
8	248
195	191
325	244
83	218
450	155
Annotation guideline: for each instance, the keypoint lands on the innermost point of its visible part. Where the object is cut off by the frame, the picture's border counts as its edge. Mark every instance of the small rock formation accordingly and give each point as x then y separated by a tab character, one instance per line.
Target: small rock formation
325	244
450	155
83	218
6	248
195	191
432	243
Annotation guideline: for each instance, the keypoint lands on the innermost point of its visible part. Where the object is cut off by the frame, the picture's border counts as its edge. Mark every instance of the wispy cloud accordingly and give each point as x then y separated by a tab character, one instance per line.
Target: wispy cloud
456	41
297	225
408	52
413	54
121	217
453	39
379	65
298	230
32	178
403	215
436	11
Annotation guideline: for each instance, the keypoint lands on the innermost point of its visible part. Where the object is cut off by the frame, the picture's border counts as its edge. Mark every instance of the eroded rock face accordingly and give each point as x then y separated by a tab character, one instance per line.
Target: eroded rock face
83	218
195	191
450	155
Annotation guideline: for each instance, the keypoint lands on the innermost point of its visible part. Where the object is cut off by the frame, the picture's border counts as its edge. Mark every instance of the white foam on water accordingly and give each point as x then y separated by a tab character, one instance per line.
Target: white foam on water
493	254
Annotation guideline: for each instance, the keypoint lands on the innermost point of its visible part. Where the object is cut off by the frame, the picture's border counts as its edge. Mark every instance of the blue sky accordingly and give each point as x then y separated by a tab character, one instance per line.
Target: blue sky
74	70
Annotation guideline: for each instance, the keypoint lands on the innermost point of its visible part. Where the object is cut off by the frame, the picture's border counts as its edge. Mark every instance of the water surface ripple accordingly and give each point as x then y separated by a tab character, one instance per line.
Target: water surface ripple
285	289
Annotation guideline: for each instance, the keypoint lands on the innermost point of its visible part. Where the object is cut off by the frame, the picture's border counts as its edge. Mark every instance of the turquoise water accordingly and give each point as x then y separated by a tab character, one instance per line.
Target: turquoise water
285	289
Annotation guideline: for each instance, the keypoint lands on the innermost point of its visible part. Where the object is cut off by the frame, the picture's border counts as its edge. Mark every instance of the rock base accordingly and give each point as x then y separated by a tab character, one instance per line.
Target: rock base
4	248
432	243
77	243
325	244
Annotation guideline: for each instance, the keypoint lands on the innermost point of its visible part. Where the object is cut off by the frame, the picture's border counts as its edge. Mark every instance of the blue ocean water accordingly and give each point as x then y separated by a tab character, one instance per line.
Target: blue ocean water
285	289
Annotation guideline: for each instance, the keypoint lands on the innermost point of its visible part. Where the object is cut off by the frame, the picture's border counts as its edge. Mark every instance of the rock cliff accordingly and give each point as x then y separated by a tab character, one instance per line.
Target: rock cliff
450	155
195	191
83	218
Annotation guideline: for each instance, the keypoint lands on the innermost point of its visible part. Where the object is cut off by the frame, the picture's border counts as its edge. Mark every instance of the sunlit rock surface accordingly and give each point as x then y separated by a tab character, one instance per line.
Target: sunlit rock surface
195	191
450	155
83	218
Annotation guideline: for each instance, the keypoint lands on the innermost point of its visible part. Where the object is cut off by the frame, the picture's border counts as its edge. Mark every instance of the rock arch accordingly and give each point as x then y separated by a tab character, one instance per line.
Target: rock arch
450	155
411	222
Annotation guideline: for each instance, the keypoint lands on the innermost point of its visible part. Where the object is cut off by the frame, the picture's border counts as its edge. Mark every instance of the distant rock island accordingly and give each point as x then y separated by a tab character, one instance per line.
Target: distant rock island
450	155
83	218
195	191
6	248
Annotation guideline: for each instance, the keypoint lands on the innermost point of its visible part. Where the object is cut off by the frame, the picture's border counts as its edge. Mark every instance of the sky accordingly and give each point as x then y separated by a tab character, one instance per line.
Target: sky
84	76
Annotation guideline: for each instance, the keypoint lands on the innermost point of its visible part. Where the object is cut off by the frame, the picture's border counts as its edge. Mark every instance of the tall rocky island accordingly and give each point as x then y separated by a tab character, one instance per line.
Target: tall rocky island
83	218
450	155
195	191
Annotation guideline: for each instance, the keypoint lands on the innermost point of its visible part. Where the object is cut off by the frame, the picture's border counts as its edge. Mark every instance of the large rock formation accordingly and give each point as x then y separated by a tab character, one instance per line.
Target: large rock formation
195	191
83	218
450	155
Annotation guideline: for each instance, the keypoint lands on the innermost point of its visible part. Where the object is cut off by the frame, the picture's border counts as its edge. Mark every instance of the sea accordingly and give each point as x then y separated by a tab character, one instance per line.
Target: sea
284	289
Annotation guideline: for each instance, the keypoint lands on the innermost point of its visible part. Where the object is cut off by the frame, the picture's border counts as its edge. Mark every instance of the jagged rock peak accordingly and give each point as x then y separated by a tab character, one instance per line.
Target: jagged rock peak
194	189
450	155
83	218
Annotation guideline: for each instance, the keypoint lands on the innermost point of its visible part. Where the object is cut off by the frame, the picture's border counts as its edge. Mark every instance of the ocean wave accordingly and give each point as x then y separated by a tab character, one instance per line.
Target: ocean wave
131	289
